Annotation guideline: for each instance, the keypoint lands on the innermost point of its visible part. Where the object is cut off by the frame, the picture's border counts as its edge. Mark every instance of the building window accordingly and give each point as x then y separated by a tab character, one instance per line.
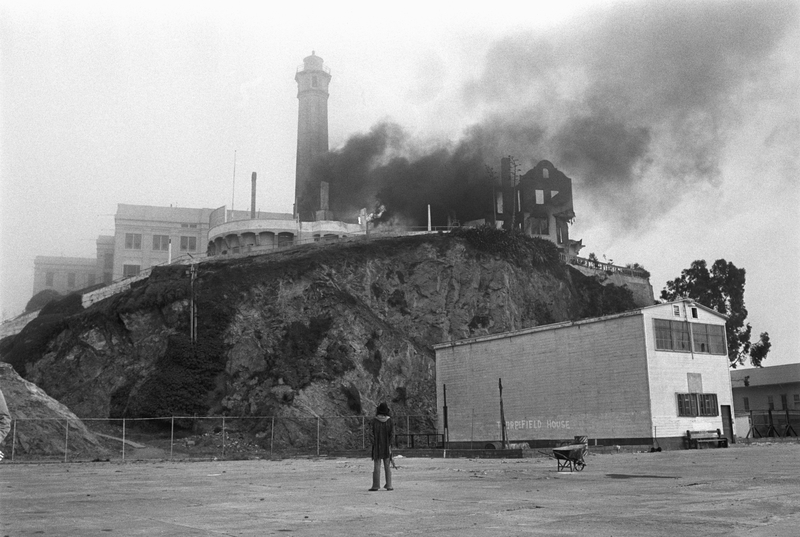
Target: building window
70	279
674	336
130	270
694	313
161	242
676	310
697	404
49	277
285	239
188	244
90	279
545	173
784	401
746	403
539	197
708	338
770	402
133	241
797	401
539	226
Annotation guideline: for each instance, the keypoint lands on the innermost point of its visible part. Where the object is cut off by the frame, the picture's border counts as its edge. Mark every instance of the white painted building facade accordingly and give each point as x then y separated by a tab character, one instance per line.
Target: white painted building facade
642	377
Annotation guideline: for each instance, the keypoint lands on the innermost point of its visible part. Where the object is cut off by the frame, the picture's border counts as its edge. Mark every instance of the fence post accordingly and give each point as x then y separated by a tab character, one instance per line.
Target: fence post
123	439
171	436
317	436
66	441
223	437
272	436
13	437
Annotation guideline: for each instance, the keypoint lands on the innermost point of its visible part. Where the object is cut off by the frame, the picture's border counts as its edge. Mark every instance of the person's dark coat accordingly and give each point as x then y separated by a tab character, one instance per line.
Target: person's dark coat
382	437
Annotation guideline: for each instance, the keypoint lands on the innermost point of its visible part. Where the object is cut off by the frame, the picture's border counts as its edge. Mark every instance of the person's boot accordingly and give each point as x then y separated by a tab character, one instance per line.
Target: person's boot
388	477
376	477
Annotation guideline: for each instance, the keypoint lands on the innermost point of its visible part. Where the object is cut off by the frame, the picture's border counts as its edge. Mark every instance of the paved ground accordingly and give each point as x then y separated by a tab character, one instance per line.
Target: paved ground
742	491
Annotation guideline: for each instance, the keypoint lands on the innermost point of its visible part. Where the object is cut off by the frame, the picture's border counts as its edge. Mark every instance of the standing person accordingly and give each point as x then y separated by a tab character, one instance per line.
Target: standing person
382	438
5	421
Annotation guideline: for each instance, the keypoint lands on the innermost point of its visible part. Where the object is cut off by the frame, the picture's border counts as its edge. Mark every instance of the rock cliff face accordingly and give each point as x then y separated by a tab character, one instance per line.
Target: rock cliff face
326	330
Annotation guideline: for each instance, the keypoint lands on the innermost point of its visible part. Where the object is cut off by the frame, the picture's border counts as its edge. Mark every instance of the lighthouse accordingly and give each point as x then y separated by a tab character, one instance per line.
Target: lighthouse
312	80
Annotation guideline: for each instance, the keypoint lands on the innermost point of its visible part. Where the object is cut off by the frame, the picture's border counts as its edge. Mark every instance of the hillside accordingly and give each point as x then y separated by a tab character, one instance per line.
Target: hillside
321	330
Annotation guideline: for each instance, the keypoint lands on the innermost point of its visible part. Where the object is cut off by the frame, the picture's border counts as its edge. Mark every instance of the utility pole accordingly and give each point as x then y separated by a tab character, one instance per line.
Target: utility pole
192	304
502	415
515	201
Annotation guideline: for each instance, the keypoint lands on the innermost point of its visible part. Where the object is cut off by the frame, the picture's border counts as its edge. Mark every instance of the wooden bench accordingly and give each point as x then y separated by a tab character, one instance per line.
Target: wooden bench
695	438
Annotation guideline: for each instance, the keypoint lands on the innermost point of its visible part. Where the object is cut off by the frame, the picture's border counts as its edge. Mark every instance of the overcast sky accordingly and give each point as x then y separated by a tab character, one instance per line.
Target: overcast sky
677	121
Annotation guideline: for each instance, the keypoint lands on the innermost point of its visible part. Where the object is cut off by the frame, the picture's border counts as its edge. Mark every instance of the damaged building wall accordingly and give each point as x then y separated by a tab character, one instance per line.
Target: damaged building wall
538	203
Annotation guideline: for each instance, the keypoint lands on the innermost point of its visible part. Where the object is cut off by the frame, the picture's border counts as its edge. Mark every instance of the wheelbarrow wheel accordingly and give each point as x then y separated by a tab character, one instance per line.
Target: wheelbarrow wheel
579	465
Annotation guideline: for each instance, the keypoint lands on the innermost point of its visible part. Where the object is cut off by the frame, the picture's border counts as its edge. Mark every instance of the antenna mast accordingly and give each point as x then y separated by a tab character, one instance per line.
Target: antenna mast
233	193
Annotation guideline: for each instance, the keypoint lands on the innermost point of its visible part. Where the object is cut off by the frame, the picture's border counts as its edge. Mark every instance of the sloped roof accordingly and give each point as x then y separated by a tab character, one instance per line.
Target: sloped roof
766	376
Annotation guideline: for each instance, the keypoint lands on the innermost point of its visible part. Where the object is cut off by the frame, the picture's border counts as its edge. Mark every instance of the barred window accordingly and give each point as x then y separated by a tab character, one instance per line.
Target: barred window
188	244
697	404
133	241
746	403
161	242
130	270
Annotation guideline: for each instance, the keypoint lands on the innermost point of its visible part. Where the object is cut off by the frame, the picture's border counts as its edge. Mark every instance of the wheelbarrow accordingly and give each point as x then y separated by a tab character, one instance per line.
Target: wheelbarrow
570	457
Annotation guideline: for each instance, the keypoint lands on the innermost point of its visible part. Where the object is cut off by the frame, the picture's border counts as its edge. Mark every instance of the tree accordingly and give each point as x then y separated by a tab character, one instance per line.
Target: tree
41	299
722	289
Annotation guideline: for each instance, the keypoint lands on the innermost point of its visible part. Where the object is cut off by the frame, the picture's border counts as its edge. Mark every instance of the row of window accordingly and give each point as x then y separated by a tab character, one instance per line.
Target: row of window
91	279
685	337
697	404
771	402
133	241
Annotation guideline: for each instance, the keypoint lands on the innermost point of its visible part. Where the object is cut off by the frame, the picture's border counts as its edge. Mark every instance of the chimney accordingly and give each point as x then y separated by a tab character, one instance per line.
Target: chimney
253	198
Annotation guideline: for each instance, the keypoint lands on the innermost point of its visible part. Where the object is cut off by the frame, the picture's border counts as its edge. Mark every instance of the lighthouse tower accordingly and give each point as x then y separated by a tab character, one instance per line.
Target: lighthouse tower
312	134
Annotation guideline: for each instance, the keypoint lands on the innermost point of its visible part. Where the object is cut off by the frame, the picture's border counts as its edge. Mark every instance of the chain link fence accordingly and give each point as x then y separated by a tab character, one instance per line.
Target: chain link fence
195	437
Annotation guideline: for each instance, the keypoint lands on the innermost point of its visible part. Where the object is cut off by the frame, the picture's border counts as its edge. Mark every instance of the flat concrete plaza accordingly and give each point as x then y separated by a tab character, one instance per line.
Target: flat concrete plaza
751	490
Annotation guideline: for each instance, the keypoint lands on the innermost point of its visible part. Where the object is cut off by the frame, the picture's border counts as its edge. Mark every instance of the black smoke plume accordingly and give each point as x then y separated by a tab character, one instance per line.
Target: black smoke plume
634	102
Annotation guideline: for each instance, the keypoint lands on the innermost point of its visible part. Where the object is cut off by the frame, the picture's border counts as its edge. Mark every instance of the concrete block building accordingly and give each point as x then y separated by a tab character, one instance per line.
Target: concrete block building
145	236
63	274
642	377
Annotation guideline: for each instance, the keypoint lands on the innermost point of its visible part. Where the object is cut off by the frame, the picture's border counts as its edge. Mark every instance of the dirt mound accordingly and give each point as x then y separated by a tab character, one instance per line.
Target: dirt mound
42	425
